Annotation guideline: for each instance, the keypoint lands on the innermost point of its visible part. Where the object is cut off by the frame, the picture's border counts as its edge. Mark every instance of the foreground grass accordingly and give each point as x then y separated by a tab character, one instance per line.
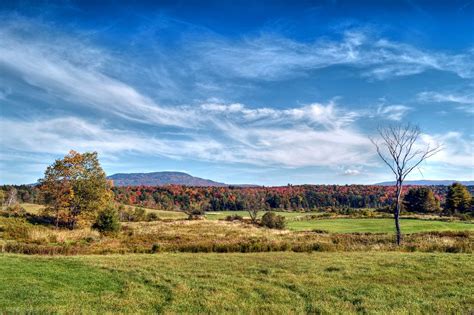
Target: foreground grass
279	283
378	225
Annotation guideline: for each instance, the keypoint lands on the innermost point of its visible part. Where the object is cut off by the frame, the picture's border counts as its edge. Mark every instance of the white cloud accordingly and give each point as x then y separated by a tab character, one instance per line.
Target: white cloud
351	172
316	134
271	57
72	71
456	149
392	112
464	102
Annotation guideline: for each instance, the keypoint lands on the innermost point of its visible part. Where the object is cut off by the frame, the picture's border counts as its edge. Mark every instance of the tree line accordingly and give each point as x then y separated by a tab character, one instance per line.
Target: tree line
429	199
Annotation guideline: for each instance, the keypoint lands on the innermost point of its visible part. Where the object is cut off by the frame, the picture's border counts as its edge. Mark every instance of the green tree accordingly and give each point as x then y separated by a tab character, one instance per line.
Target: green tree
107	220
75	187
421	199
458	199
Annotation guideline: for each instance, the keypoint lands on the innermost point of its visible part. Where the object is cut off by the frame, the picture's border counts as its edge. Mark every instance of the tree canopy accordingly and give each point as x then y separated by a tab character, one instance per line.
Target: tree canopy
458	199
75	187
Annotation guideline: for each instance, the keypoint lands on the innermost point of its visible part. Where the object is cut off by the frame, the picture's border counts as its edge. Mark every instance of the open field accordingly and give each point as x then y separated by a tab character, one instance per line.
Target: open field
279	283
18	235
223	214
379	225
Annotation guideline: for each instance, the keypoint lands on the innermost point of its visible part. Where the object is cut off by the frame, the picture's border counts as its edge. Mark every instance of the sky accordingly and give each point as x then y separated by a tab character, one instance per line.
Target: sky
241	92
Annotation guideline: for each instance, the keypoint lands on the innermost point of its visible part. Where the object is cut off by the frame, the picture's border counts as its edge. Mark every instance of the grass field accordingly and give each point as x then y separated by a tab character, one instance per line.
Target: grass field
377	225
223	214
277	283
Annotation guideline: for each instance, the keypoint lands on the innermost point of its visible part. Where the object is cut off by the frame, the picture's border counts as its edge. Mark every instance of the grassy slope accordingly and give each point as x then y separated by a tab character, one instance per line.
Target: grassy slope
217	283
378	225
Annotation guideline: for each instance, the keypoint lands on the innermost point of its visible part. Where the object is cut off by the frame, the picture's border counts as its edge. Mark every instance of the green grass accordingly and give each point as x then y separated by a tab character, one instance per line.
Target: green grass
217	215
378	225
167	214
32	208
280	283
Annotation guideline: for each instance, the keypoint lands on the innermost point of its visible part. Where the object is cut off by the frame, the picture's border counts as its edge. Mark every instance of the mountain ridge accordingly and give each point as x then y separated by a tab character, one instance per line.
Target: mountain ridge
161	179
445	182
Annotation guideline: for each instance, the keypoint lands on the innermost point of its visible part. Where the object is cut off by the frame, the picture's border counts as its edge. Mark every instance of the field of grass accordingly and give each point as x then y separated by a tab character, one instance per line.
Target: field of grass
32	208
277	283
381	225
166	214
223	214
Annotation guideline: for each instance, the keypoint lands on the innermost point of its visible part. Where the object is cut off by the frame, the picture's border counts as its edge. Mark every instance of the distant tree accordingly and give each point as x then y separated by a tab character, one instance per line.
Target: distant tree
254	203
458	199
75	186
422	200
107	220
399	148
12	197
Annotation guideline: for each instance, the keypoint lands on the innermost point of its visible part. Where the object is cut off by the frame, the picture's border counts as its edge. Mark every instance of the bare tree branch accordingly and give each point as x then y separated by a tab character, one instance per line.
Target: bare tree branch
400	151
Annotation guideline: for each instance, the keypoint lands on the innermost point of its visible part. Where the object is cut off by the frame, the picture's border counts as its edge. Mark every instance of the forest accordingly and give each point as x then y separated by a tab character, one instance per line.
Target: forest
234	198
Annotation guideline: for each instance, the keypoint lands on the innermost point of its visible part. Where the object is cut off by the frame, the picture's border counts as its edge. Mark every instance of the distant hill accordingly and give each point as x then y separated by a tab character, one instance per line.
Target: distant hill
430	182
161	178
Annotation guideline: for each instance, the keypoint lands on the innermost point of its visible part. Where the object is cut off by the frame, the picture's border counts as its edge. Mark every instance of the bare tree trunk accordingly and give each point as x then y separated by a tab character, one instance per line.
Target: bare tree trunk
397	212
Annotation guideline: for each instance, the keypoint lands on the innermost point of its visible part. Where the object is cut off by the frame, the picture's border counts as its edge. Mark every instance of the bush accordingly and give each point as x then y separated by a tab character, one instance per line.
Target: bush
273	221
195	214
234	217
107	221
151	216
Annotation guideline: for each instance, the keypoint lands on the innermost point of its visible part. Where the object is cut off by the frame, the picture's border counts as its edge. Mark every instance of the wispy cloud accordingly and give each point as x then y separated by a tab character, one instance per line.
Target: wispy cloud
74	74
272	57
392	112
464	102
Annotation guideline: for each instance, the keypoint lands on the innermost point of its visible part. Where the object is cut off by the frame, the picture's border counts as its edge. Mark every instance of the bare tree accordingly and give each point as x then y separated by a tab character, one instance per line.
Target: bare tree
400	149
12	197
254	203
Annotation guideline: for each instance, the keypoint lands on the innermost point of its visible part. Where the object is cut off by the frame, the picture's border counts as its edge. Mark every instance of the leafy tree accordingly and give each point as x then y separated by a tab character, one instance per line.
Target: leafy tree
421	199
458	199
107	220
75	186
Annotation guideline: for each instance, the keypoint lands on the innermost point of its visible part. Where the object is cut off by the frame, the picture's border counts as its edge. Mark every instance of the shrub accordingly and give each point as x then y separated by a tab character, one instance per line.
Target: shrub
155	248
273	221
151	216
195	214
234	217
107	221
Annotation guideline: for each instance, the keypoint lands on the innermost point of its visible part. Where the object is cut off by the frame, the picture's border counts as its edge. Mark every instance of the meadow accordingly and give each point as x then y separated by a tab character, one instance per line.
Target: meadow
377	225
318	264
276	283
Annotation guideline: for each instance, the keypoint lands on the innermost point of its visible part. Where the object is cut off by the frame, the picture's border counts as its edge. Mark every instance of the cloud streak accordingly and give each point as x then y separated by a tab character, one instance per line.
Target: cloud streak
271	57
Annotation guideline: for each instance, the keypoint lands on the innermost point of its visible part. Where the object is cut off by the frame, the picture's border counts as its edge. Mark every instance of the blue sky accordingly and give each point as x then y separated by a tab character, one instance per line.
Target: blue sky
240	92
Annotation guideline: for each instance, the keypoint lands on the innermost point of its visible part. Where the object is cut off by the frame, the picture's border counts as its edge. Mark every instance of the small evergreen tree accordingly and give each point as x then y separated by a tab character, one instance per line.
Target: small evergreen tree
107	221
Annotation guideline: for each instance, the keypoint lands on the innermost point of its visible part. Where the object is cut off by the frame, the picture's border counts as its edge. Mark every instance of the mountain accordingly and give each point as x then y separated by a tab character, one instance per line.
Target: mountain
161	178
429	182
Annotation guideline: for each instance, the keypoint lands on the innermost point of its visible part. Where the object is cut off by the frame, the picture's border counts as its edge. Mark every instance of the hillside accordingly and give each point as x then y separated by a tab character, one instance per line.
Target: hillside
160	179
429	183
